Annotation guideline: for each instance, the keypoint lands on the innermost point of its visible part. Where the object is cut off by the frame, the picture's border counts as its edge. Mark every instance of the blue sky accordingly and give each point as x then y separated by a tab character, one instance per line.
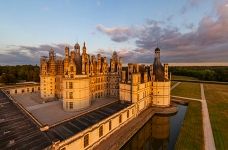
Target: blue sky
28	28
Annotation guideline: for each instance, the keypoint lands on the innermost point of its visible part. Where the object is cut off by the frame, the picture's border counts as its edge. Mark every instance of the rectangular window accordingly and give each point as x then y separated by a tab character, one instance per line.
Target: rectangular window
15	91
70	95
71	69
101	131
66	85
86	140
127	113
71	105
70	85
120	118
110	125
67	105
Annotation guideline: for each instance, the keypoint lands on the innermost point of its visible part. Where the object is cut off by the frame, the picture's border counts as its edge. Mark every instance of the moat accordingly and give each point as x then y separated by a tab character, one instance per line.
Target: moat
160	132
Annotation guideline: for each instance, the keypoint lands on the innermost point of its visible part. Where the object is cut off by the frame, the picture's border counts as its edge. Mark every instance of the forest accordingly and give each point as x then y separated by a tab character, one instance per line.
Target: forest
19	73
202	72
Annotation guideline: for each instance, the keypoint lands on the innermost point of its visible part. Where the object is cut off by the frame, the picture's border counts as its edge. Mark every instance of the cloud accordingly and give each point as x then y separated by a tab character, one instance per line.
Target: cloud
117	34
190	4
14	54
207	42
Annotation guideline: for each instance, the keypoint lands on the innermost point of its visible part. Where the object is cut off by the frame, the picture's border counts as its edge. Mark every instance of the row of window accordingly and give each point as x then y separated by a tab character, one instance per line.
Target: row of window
86	137
23	90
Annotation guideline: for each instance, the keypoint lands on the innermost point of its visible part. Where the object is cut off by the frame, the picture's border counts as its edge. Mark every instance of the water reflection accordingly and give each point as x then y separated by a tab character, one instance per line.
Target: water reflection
159	133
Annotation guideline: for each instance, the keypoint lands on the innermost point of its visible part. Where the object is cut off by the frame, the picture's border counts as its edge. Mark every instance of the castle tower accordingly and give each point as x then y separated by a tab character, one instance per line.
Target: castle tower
84	48
119	68
123	76
130	71
105	65
166	71
151	73
52	66
67	59
87	64
98	63
160	84
77	48
72	55
43	65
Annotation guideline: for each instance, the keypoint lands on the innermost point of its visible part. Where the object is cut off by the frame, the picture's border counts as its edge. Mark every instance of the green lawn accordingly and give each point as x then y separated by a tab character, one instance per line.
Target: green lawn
191	133
217	102
183	78
187	89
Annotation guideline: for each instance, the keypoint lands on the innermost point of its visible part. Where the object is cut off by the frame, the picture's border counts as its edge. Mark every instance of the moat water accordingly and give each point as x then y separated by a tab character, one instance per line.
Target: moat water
159	133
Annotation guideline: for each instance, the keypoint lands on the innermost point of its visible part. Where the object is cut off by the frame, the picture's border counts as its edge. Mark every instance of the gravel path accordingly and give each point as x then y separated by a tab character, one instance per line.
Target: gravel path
208	135
175	85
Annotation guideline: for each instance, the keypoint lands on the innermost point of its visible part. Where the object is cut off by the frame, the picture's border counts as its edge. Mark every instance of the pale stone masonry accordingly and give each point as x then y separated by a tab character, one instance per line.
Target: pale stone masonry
79	78
150	83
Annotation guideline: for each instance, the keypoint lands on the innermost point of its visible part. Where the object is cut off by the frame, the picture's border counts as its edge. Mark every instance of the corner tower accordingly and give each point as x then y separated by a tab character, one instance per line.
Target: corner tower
160	82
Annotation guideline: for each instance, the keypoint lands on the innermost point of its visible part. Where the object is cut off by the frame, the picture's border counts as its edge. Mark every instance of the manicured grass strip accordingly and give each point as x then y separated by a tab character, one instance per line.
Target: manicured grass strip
187	89
191	133
217	102
183	78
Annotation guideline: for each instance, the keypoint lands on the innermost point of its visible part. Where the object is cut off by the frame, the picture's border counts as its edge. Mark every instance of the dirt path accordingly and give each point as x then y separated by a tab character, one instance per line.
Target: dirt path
208	135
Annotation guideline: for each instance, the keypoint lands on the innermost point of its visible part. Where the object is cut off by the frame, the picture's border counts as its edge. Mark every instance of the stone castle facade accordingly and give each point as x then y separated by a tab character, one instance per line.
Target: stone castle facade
79	78
148	84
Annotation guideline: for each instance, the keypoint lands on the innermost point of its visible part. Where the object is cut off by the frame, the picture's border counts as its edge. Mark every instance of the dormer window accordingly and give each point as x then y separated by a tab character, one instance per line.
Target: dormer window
71	69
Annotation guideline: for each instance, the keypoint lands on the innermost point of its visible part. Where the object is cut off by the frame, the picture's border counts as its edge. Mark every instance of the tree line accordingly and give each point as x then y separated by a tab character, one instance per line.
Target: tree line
14	74
202	72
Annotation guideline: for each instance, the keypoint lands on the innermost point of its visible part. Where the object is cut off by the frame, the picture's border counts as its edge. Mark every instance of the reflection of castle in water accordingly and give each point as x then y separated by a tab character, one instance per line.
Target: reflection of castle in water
153	136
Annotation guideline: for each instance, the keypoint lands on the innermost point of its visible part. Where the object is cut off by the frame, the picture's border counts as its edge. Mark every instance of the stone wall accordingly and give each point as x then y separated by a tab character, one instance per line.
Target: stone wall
78	141
20	89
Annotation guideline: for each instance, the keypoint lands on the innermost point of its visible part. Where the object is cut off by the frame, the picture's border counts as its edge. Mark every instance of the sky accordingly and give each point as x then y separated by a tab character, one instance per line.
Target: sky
186	31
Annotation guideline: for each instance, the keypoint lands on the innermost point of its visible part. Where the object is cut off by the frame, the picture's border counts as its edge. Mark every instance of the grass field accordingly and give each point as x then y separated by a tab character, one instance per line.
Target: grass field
191	133
183	78
187	89
217	102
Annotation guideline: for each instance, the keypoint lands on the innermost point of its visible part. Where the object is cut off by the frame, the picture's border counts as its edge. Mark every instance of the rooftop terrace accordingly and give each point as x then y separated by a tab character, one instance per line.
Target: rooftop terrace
74	126
17	131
